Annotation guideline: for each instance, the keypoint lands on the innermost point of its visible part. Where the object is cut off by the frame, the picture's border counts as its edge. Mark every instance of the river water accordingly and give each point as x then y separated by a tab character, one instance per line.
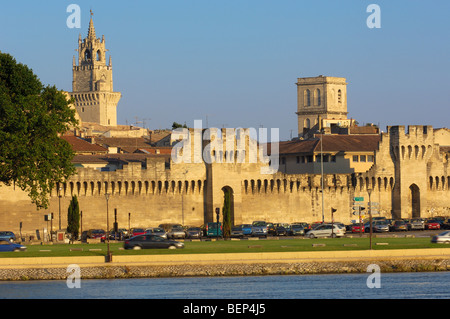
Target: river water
420	285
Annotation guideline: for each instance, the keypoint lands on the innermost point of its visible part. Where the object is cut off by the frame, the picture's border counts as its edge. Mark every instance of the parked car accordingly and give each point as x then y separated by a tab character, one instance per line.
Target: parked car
416	223
432	224
116	235
357	228
96	233
194	232
8	236
270	228
259	228
237	232
167	227
446	224
247	229
176	232
156	231
400	225
379	226
6	245
137	232
306	226
150	242
442	238
280	231
325	230
296	230
213	229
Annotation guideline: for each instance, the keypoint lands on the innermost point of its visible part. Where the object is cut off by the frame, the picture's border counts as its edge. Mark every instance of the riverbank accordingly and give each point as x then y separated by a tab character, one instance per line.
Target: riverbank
243	264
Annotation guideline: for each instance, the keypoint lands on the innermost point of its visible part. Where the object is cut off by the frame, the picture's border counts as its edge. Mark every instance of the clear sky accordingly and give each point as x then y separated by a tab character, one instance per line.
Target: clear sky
234	63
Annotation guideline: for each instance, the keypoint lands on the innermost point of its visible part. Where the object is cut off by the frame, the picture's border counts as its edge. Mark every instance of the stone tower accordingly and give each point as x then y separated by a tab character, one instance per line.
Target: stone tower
321	102
92	85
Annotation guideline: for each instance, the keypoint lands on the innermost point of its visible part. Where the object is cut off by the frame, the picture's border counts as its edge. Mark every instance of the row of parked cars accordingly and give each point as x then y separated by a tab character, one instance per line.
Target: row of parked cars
265	229
381	224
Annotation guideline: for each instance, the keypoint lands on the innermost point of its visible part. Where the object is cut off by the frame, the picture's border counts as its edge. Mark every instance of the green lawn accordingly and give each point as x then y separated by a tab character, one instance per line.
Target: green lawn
227	246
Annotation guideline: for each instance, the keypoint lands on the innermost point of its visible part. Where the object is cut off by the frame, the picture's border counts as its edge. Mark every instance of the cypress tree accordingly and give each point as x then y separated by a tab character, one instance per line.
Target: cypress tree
73	218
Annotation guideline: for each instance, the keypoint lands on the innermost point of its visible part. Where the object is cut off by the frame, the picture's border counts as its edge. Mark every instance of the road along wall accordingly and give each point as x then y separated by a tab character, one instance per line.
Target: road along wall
239	264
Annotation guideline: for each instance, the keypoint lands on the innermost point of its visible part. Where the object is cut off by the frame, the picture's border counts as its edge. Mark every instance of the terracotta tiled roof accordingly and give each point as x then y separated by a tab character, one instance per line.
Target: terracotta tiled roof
81	146
115	158
332	143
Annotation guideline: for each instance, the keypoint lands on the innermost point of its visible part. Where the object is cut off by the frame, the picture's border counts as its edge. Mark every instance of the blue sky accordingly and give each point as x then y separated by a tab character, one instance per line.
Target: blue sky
236	62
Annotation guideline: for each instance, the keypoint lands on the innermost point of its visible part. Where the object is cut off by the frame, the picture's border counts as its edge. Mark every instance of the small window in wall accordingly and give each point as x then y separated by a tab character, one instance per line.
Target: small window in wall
362	158
339	96
333	158
355	158
370	158
309	159
298	159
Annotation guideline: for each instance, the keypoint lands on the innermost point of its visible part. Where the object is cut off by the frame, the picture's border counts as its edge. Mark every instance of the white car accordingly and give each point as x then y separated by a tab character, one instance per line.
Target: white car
326	230
442	238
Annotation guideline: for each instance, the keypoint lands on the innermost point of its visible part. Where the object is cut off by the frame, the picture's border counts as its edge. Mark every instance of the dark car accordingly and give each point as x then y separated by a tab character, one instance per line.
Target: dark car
280	231
400	225
151	242
194	232
96	233
6	245
8	236
446	224
296	230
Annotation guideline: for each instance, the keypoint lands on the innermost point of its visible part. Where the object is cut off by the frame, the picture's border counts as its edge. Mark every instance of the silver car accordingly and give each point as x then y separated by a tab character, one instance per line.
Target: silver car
156	231
176	232
326	230
442	238
417	223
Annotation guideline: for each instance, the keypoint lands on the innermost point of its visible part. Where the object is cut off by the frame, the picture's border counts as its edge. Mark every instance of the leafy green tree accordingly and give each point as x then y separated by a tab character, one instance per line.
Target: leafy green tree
73	218
176	125
33	157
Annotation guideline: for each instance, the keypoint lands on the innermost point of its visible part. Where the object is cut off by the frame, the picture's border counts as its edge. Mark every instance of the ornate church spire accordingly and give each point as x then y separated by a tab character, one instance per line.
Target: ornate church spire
91	32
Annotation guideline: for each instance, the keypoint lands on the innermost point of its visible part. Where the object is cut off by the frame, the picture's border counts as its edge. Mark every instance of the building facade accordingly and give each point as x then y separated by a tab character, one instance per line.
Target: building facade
405	170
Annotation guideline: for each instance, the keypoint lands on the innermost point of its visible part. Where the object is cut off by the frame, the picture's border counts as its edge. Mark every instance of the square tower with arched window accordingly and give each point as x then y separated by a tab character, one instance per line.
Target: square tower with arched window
92	84
321	101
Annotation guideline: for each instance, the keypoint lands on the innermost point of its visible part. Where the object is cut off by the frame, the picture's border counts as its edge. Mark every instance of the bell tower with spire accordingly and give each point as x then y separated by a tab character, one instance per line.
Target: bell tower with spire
92	84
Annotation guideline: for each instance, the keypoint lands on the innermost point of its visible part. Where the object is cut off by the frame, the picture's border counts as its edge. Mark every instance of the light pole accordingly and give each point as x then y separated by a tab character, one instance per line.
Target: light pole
59	200
369	191
321	171
108	256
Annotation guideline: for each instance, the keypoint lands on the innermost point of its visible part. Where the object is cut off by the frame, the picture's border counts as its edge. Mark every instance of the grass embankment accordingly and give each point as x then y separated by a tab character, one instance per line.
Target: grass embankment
227	246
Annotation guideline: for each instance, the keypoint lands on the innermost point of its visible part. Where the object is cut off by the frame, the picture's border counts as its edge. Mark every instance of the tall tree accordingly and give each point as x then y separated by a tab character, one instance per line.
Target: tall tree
73	218
33	157
226	211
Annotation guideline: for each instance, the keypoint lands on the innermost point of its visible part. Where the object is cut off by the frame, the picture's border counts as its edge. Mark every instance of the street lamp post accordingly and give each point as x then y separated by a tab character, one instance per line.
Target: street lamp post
108	256
369	191
59	200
